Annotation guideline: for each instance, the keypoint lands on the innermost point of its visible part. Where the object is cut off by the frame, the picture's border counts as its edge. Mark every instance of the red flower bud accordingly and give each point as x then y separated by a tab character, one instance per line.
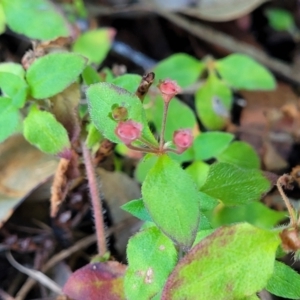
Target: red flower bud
182	139
128	131
168	88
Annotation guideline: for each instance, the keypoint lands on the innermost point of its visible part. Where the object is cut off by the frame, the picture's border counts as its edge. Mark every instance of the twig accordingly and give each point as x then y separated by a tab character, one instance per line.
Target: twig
81	244
37	275
209	35
96	200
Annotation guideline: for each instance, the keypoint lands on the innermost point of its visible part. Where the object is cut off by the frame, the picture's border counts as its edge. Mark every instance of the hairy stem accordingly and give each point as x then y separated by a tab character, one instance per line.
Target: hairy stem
96	200
163	126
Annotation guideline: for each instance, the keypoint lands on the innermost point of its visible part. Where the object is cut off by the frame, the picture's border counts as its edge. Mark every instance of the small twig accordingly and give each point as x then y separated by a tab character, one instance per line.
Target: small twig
96	200
37	275
288	205
81	244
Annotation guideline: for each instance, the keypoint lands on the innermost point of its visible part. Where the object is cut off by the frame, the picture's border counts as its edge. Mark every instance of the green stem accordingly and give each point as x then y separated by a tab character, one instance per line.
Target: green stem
163	126
96	200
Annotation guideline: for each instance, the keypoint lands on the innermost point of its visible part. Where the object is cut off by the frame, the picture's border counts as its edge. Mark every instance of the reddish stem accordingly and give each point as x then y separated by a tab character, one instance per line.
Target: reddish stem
96	200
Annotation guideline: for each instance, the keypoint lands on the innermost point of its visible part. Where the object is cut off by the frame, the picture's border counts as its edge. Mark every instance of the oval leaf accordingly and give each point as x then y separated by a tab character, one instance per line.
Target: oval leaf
37	19
94	44
211	271
213	102
137	209
281	19
209	144
102	97
285	282
129	82
181	67
45	132
9	118
198	171
172	199
13	68
51	74
242	72
151	258
233	185
240	154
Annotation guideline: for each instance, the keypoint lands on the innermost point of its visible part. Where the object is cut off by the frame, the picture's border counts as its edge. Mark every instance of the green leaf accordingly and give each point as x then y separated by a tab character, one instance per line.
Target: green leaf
144	166
14	68
198	170
280	19
52	73
255	213
94	44
233	185
240	154
90	75
172	200
181	67
93	137
213	102
137	209
285	282
102	97
179	116
151	258
9	118
211	271
45	132
129	82
38	19
242	72
15	87
2	20
209	144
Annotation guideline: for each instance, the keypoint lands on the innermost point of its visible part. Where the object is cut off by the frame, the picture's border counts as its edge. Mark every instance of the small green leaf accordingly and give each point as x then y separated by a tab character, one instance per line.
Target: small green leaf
90	75
45	132
38	19
137	209
209	144
172	200
255	213
2	20
280	19
15	87
151	258
285	282
102	97
93	137
144	166
213	102
181	67
9	118
179	116
240	154
14	68
242	72
198	170
129	82
94	44
52	73
211	271
233	185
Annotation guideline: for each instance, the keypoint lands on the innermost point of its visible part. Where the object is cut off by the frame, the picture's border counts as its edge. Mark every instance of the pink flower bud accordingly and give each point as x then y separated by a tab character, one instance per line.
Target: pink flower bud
168	88
128	131
182	139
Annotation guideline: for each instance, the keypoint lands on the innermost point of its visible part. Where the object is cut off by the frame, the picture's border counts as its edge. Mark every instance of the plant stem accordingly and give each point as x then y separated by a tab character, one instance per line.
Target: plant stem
163	126
287	202
96	200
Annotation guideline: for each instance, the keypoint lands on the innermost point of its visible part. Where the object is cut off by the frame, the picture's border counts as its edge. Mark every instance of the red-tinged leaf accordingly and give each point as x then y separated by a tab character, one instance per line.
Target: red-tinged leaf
96	281
232	263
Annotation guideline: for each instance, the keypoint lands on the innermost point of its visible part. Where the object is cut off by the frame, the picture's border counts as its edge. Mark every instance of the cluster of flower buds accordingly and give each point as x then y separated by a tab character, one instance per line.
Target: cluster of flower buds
129	131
